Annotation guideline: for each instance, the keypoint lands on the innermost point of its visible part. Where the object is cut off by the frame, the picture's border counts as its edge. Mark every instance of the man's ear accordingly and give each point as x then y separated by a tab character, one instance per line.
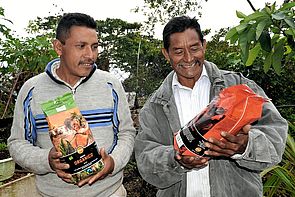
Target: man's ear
57	46
166	55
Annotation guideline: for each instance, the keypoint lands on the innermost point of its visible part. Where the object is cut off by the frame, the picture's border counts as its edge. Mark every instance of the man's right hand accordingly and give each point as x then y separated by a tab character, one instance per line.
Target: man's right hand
191	162
59	167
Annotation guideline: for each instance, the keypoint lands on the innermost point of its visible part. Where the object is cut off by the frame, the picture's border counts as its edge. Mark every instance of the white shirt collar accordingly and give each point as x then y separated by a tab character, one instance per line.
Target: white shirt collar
175	81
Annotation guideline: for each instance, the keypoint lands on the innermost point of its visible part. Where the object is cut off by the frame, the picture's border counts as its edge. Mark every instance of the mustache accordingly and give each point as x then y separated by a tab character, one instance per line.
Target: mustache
87	62
191	64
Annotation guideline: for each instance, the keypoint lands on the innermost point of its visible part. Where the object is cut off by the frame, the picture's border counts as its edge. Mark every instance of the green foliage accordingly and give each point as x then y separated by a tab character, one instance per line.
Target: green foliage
163	10
19	63
280	88
280	179
269	32
21	58
4	30
119	42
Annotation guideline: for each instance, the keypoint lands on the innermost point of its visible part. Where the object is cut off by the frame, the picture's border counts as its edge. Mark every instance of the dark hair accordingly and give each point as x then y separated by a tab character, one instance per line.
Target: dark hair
180	24
73	19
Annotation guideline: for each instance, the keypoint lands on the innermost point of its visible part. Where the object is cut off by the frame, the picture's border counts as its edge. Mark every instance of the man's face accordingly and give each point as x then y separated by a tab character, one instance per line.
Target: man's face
77	54
186	55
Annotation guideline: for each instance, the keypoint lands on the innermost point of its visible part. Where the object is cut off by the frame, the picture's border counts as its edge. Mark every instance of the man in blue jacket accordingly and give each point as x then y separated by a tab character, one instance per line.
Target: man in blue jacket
102	101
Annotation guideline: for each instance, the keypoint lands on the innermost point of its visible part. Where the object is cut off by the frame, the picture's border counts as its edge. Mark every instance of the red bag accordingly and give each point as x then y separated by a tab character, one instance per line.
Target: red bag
234	107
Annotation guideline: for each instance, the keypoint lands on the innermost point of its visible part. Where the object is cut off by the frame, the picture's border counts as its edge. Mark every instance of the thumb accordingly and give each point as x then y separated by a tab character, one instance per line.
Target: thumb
246	129
103	153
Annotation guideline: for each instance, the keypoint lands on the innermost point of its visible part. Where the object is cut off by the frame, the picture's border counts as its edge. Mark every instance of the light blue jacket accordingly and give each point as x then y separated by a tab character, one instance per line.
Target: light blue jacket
101	100
228	178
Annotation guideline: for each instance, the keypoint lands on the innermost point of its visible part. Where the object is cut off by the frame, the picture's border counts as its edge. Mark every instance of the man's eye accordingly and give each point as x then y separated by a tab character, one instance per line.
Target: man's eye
80	46
178	52
94	47
195	49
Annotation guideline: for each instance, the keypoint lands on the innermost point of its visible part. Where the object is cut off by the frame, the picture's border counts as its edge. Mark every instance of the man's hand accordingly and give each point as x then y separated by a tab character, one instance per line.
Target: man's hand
190	162
59	167
230	145
108	169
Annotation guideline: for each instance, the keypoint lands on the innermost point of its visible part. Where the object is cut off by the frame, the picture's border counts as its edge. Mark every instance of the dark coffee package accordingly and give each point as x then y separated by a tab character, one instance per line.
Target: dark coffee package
232	109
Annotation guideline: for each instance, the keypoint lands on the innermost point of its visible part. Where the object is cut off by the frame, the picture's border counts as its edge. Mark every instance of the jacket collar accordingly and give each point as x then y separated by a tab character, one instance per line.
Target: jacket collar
164	93
49	66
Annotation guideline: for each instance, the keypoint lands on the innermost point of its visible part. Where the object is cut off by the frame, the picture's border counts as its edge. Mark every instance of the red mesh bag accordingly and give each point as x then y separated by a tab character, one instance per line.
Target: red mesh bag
234	107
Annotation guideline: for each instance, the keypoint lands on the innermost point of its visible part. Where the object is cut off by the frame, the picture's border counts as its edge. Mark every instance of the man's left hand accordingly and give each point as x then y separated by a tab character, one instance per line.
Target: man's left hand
108	169
230	145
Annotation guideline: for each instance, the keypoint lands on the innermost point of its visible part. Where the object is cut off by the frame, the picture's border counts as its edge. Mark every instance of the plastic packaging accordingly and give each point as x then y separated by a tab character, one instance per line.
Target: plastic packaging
234	107
71	135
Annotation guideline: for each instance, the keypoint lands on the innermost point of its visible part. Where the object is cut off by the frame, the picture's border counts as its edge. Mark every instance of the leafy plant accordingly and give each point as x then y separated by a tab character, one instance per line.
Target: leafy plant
269	32
160	11
280	179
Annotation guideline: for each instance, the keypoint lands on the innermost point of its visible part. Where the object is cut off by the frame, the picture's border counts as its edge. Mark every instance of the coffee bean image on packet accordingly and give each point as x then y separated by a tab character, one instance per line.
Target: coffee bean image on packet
70	134
232	109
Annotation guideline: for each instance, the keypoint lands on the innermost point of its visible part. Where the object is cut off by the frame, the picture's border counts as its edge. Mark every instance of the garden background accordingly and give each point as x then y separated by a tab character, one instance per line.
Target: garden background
261	46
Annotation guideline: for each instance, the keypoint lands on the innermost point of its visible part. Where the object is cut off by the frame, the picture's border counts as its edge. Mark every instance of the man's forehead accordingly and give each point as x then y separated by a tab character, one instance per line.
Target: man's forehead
189	36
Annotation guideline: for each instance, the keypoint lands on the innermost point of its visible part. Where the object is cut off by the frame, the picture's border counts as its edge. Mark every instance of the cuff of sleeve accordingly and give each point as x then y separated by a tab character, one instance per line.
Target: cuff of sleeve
46	161
176	165
115	170
240	156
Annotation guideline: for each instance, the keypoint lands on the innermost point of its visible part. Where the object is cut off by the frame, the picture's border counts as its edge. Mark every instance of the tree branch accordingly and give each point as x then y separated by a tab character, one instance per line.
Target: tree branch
251	5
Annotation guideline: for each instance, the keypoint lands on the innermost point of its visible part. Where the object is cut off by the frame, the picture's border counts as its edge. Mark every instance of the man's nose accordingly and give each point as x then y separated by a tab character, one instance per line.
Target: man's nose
88	51
188	57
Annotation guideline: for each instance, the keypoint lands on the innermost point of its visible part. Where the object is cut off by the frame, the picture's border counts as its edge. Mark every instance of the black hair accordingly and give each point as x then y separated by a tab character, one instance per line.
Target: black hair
180	24
73	19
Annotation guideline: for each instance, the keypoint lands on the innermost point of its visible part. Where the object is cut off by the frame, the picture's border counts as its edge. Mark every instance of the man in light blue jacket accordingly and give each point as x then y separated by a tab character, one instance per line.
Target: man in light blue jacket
99	96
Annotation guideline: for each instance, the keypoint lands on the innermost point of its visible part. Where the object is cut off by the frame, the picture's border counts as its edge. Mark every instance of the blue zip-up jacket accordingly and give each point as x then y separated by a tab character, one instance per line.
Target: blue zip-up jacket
101	100
159	121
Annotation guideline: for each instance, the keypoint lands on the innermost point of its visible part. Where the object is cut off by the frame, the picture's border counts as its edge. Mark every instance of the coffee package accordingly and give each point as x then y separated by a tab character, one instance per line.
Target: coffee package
70	134
232	109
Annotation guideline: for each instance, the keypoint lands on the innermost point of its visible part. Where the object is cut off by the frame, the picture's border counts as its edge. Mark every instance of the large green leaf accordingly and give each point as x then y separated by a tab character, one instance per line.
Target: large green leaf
290	22
253	54
278	56
244	45
265	41
251	34
240	28
278	16
240	14
287	6
267	62
260	27
231	33
290	32
256	15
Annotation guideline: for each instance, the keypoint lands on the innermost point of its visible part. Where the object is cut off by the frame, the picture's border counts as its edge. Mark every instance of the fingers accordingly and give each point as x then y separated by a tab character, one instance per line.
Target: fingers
246	129
54	160
103	153
108	169
230	145
220	148
83	182
191	161
57	166
64	176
